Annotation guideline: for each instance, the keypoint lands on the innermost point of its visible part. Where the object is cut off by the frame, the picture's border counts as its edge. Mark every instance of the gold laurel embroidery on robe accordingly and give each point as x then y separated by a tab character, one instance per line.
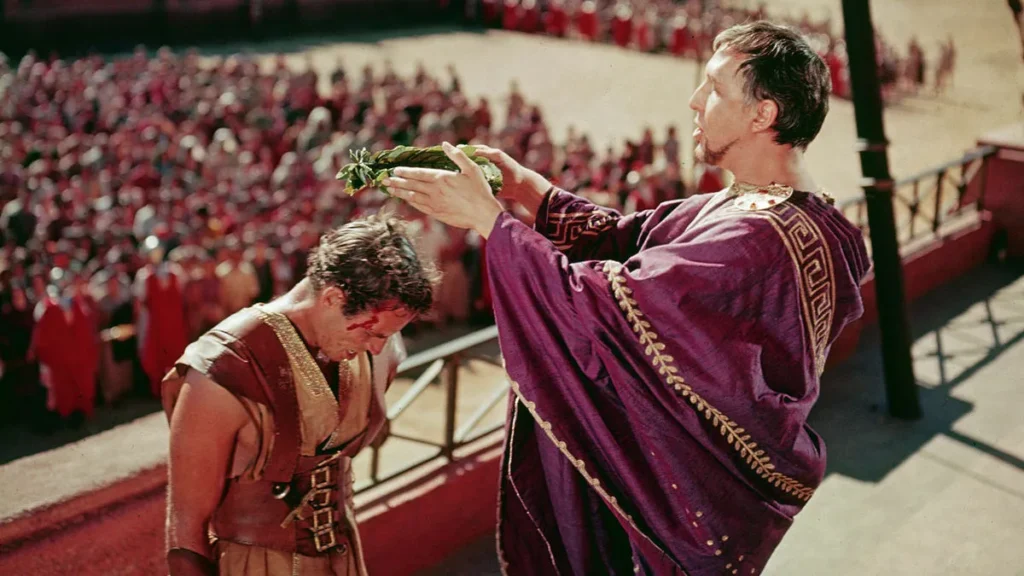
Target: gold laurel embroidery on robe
580	465
812	260
565	229
755	457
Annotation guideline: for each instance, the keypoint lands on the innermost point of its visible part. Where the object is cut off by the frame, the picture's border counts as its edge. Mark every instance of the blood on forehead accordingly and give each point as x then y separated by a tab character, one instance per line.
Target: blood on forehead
366	324
387	318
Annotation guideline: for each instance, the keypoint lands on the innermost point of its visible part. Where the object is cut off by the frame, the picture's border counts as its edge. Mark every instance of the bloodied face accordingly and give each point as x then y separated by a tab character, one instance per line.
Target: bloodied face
341	337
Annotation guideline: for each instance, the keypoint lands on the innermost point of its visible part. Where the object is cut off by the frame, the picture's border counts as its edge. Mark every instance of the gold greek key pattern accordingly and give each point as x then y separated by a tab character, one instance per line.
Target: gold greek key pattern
580	465
755	457
816	276
565	229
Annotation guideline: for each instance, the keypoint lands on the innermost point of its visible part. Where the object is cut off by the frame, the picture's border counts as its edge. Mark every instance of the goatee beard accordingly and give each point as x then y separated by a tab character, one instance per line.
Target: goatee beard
713	157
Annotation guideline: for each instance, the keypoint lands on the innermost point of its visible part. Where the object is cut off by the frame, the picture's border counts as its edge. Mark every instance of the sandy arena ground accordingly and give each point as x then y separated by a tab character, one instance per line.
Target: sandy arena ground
612	94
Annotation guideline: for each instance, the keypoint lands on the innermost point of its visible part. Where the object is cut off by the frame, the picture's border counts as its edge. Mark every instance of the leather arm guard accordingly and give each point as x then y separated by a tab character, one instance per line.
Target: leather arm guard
185	562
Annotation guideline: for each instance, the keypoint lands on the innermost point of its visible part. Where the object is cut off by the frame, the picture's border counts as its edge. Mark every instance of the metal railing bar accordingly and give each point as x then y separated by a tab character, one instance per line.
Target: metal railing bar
417	388
937	216
980	153
976	154
398	473
451	404
460	344
481	411
485	358
416	440
480	435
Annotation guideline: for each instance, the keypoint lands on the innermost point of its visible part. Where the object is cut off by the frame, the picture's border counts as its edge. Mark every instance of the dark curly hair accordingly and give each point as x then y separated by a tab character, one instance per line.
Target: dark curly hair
375	263
783	68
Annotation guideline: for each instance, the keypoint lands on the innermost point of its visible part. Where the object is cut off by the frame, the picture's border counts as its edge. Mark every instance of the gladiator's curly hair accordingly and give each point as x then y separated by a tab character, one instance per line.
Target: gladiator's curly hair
375	263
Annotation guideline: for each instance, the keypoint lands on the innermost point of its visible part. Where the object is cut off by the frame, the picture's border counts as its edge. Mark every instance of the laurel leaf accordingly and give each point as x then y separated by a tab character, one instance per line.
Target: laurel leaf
369	169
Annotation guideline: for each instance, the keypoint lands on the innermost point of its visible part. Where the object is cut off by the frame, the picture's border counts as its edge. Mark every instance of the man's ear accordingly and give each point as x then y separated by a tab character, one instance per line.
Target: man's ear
332	297
764	115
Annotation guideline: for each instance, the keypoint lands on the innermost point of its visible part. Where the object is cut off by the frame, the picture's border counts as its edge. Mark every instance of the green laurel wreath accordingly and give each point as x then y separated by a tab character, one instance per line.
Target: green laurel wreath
368	169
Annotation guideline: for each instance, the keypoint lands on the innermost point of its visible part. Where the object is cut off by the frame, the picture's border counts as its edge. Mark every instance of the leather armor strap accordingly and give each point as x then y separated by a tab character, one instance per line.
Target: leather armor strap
274	364
185	562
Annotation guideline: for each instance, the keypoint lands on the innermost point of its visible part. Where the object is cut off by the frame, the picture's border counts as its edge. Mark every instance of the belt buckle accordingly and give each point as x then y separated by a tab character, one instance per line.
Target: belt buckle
323	530
319	524
316	482
321	498
330	543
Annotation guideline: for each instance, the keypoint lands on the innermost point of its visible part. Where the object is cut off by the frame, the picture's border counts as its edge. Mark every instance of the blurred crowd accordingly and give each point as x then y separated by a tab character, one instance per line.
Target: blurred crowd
143	199
687	28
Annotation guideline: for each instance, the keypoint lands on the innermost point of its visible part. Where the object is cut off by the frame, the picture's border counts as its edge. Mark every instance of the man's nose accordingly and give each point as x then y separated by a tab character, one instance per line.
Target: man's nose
693	103
376	346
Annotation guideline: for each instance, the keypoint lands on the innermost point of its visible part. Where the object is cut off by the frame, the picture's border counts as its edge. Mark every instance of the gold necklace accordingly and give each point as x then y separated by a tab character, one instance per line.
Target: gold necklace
755	197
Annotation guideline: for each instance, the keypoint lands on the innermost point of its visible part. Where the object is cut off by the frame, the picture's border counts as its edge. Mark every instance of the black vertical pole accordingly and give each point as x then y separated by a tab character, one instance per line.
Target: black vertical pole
160	25
10	39
900	385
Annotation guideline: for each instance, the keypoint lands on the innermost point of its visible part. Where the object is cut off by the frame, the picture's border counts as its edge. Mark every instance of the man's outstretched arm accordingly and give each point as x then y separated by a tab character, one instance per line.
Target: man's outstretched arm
204	422
579	228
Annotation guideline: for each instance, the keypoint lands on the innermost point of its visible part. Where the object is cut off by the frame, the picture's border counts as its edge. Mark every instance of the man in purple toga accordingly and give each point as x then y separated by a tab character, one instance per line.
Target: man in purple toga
664	363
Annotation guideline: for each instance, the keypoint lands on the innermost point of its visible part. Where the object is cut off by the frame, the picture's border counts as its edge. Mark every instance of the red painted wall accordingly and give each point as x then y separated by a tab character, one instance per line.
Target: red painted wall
120	529
419	527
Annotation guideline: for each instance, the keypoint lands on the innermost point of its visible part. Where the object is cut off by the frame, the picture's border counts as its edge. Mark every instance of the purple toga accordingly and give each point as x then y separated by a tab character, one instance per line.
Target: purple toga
663	367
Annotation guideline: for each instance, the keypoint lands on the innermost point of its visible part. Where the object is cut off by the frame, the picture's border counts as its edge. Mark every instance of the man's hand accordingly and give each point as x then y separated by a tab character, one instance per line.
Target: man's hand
459	199
519	183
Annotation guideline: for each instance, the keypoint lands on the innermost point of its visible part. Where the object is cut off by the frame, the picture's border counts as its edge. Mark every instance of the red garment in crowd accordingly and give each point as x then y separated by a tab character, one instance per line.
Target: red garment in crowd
166	334
645	34
642	201
491	12
86	326
710	180
65	347
556	21
838	73
530	19
682	39
510	15
482	117
586	23
622	30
